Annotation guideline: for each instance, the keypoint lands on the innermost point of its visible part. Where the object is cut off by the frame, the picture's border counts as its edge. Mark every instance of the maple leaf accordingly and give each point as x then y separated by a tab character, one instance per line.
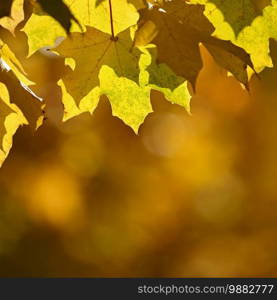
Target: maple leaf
84	82
175	32
249	24
87	13
115	53
177	28
129	101
118	70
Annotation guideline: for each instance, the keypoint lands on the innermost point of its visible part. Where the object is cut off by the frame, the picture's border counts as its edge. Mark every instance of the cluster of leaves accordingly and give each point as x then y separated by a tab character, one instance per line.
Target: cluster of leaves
124	49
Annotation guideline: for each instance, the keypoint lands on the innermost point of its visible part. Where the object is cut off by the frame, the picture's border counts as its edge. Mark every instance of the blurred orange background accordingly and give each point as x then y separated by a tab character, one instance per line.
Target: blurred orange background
190	196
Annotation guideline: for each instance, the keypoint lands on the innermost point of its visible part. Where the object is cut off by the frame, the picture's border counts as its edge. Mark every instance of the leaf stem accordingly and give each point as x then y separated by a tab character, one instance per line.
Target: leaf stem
113	38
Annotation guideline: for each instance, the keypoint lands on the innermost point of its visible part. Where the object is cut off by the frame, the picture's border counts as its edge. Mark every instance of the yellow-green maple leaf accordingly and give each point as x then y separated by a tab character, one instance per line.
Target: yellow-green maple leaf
246	23
42	30
129	101
90	51
237	13
120	80
113	67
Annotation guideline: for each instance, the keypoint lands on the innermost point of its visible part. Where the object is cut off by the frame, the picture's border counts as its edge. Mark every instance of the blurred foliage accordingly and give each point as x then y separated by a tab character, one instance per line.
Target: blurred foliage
189	196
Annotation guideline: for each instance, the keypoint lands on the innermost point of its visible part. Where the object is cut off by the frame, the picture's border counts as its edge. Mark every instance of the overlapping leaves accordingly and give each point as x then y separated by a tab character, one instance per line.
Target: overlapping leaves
123	49
177	29
249	24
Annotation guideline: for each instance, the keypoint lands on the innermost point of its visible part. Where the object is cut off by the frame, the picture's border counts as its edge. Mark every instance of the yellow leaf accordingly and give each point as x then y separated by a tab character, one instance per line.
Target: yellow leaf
17	16
14	64
129	101
30	106
90	51
251	32
43	30
10	119
113	70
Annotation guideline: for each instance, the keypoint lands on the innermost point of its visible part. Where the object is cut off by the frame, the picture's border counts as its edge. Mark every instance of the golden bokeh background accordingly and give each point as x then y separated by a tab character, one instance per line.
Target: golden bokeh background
190	196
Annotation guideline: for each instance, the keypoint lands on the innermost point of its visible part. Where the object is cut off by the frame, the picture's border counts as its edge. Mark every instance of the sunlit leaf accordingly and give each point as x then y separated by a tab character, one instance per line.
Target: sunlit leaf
16	16
251	32
58	10
39	35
